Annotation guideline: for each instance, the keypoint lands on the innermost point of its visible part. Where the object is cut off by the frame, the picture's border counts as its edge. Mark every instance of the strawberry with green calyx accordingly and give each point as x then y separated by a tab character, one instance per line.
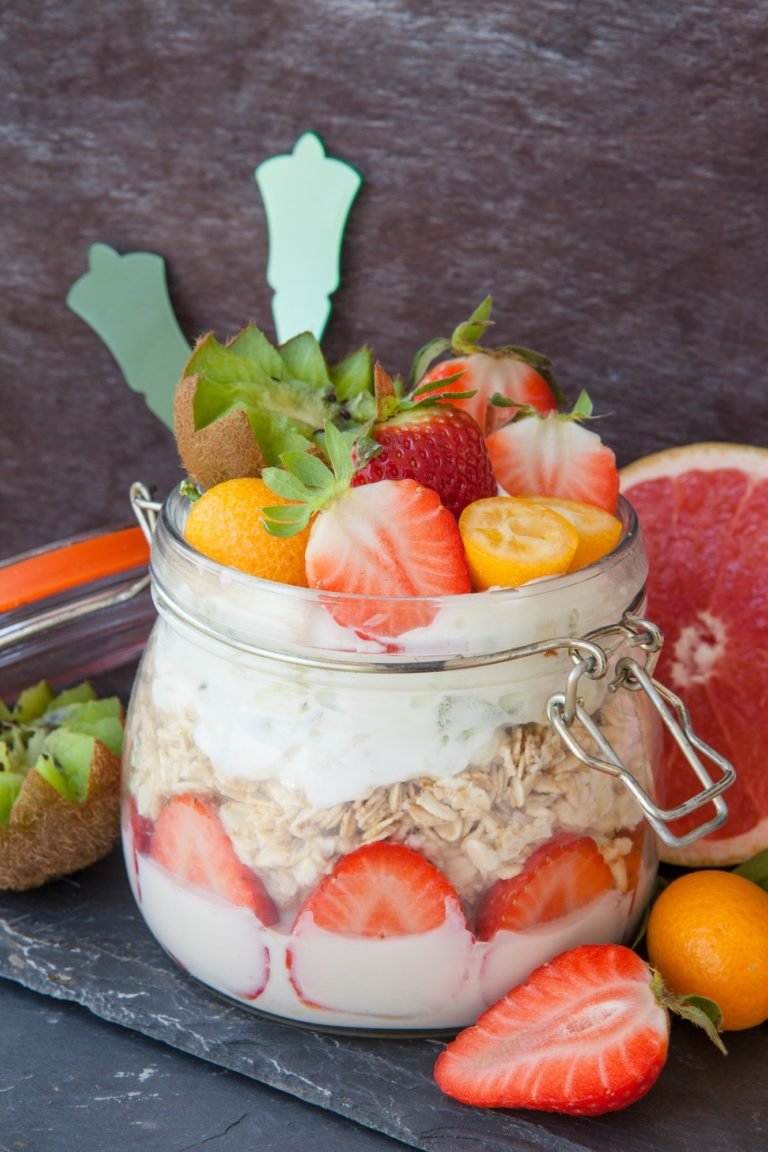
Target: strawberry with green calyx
59	783
239	406
586	1034
384	540
428	440
553	454
519	374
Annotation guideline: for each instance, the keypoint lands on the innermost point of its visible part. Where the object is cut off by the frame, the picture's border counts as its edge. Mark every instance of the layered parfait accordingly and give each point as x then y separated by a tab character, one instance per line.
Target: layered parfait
344	803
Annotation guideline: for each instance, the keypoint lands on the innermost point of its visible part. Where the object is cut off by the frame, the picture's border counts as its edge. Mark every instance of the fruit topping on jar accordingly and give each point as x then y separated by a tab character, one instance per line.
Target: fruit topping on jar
370	478
435	443
474	375
555	455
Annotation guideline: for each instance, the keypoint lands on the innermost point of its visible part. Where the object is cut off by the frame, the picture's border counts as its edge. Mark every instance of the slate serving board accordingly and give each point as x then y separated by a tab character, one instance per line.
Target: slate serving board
83	940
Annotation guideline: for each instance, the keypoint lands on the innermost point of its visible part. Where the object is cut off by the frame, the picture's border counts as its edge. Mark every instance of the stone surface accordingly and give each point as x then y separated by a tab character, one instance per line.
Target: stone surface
83	940
78	1083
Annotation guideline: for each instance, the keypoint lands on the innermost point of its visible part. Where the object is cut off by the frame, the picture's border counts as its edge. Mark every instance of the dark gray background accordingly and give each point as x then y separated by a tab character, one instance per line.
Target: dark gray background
599	167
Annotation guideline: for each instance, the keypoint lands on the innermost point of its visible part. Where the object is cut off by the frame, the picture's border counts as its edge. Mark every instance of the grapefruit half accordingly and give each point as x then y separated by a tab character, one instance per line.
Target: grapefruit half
703	509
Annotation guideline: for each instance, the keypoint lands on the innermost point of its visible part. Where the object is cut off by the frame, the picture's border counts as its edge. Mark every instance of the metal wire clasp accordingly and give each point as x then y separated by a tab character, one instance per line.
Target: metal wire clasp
563	708
145	509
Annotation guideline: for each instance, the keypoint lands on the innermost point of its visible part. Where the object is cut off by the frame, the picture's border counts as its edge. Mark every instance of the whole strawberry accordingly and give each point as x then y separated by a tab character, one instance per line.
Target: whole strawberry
435	443
586	1034
471	378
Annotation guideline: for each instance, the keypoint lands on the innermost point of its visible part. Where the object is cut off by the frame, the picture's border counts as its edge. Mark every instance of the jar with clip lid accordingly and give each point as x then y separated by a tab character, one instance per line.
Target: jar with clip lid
353	825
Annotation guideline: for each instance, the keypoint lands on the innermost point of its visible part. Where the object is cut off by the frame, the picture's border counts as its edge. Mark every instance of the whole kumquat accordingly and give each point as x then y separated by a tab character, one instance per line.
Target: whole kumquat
227	524
708	936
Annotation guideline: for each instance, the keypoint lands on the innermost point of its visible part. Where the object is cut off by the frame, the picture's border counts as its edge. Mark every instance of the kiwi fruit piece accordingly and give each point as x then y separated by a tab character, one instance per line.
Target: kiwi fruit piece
221	451
239	406
59	783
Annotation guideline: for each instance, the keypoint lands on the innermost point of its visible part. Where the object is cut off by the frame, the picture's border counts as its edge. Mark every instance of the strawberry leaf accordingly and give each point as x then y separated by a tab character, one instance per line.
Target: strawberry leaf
705	1014
467	336
582	409
425	355
308	469
286	520
337	451
307	480
282	483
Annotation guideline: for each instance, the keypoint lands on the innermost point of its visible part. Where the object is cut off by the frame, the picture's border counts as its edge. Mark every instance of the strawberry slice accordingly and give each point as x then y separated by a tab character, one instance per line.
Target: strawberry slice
392	538
555	455
475	374
586	1034
487	375
558	878
381	890
190	841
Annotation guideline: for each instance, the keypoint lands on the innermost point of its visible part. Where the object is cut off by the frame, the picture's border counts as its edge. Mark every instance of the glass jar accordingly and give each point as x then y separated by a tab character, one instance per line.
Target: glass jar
382	815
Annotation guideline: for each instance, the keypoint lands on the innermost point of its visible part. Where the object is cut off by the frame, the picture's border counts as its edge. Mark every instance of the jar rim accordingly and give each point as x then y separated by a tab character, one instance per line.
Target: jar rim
176	506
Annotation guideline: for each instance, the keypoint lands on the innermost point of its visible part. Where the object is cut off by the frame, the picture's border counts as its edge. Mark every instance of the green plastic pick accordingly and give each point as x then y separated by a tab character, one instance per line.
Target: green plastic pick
125	300
307	198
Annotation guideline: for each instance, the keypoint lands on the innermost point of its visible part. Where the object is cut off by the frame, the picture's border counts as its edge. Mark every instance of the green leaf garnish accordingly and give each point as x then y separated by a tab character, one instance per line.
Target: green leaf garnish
465	341
310	482
467	336
425	356
755	869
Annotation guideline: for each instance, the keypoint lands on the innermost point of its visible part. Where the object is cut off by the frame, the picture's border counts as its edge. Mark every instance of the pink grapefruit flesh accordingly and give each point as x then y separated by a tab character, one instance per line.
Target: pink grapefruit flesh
703	509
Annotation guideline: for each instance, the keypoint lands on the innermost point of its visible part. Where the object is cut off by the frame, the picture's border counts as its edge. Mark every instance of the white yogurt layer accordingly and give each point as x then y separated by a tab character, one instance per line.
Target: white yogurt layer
428	981
335	735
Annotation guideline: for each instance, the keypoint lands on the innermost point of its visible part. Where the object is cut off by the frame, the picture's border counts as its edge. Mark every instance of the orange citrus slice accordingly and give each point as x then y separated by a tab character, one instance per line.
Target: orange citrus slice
599	532
509	541
227	524
703	509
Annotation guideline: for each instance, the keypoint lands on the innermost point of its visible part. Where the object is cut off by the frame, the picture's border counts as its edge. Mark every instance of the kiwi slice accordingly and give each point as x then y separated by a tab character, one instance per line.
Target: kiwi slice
240	406
59	783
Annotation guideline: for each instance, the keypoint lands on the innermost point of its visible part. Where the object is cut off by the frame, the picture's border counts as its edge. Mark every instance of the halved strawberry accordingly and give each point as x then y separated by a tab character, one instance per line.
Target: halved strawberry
586	1034
559	877
381	890
382	542
518	374
190	841
429	441
393	538
141	829
555	455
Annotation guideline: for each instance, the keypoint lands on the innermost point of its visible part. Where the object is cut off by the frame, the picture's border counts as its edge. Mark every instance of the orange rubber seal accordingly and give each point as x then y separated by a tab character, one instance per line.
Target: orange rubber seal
43	574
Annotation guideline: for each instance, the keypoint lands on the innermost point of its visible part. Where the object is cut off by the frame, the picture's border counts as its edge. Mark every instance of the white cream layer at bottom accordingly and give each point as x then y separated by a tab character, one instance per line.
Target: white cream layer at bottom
434	980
